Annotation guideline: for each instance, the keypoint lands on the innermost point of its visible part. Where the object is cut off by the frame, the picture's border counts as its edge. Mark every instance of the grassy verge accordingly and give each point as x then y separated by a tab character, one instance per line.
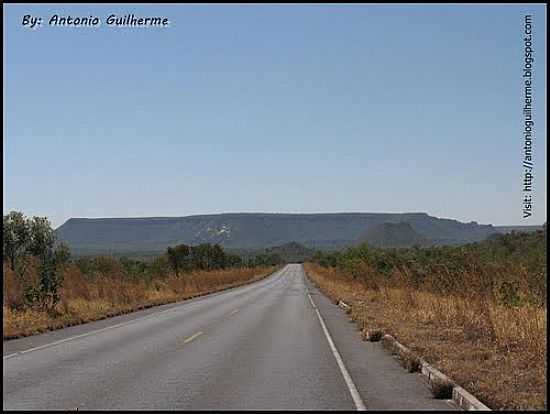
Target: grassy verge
85	300
498	353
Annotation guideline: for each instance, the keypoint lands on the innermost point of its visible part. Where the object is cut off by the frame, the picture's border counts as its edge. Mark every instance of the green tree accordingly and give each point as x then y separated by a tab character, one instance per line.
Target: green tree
25	237
218	257
47	294
51	279
178	257
16	237
200	256
42	236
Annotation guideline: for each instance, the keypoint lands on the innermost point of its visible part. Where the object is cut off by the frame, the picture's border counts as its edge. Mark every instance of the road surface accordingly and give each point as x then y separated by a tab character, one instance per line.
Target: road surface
274	344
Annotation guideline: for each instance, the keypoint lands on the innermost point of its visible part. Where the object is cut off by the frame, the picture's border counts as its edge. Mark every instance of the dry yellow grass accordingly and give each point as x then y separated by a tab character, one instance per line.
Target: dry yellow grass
497	353
84	300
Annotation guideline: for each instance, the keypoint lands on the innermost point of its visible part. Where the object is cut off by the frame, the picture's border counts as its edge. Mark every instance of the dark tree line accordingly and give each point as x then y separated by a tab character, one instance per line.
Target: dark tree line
265	259
184	258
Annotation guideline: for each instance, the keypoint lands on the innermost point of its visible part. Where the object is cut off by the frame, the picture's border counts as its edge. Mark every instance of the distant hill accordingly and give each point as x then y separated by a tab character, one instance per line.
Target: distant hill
254	231
394	235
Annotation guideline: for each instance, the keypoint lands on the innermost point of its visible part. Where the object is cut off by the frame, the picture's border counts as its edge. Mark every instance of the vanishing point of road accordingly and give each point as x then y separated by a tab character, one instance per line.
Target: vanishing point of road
274	344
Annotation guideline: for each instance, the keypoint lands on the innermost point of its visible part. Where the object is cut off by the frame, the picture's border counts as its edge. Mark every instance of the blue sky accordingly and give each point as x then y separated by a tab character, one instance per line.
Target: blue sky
273	108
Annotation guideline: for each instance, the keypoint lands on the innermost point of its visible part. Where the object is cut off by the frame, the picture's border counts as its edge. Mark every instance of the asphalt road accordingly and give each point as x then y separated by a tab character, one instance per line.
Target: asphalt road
275	344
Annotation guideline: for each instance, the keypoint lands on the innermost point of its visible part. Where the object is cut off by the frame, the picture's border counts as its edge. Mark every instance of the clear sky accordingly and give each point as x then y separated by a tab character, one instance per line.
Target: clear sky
272	108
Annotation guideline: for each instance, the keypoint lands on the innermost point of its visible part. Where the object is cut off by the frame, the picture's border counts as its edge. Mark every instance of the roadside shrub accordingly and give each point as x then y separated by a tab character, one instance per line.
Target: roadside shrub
442	390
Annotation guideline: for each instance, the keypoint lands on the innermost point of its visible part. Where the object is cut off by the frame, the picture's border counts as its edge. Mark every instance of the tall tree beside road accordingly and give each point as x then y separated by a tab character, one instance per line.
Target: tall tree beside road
178	257
25	238
42	236
16	237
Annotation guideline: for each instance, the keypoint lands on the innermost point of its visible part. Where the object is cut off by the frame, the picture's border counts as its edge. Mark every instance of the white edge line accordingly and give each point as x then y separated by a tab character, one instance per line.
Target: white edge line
89	333
76	337
10	355
171	309
119	325
359	404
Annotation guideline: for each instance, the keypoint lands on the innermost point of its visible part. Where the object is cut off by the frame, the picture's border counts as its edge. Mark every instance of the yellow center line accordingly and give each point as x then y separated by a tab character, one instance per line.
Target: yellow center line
193	337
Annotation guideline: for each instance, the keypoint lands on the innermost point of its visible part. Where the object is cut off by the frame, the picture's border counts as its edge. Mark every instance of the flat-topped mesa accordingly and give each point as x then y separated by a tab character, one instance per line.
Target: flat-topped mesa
256	231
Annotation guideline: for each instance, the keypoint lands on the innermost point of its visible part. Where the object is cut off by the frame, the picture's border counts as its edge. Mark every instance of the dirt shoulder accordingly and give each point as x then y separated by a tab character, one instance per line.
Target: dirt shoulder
501	375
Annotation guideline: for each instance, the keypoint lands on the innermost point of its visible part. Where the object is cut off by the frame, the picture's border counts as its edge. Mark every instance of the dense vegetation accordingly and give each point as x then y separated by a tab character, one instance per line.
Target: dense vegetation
510	268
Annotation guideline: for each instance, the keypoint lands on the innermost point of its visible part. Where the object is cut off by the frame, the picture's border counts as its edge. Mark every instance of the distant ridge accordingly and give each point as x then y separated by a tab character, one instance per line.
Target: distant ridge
394	235
255	231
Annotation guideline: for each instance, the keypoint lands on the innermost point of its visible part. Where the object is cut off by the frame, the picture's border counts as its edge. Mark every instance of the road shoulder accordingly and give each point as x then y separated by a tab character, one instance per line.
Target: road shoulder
381	381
